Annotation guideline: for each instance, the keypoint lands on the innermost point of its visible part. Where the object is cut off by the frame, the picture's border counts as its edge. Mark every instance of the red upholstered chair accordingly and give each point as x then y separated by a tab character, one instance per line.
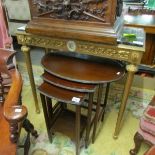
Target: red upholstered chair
12	113
146	131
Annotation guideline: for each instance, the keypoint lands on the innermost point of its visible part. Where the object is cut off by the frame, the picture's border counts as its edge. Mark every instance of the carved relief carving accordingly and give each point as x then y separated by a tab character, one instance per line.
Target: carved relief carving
24	39
71	9
42	42
136	57
103	51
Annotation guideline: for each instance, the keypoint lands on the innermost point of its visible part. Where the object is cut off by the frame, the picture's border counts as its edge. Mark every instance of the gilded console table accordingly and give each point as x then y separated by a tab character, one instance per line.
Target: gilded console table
130	54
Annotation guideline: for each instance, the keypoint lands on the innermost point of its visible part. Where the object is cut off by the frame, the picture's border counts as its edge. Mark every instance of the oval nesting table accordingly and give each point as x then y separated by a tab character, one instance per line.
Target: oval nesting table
82	68
58	118
75	73
66	84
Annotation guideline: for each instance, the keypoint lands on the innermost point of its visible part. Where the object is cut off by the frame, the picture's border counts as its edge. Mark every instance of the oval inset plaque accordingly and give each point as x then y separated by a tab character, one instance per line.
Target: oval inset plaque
71	45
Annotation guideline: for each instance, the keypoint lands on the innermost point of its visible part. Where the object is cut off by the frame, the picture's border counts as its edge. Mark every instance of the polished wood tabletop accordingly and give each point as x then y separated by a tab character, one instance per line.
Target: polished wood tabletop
75	86
82	68
60	94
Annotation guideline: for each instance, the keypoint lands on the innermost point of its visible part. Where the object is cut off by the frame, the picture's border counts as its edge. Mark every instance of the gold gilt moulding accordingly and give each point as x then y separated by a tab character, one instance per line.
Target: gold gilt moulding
126	53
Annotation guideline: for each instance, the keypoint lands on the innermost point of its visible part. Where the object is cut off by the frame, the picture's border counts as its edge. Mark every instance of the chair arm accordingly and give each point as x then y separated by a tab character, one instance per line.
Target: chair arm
13	112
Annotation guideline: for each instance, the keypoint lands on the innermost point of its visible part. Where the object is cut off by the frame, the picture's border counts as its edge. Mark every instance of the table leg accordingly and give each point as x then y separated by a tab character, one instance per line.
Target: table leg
26	51
77	128
131	71
97	112
89	116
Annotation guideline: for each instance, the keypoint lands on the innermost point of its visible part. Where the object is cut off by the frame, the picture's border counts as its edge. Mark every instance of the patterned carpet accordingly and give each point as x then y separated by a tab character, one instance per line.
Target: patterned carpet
104	144
62	145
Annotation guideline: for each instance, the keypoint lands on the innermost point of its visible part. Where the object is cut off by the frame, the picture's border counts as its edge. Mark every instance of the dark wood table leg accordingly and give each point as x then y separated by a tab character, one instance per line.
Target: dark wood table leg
89	115
99	98
47	120
77	128
105	100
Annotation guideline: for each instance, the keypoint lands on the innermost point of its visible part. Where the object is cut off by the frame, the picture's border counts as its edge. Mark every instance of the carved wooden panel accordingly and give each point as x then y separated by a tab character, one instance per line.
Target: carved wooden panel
104	11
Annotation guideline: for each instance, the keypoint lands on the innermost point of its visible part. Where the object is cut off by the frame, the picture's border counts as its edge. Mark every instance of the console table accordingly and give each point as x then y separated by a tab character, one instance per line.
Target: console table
130	54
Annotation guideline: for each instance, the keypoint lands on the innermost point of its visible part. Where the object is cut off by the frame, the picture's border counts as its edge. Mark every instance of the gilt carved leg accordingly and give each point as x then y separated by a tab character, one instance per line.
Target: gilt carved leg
131	71
26	51
138	139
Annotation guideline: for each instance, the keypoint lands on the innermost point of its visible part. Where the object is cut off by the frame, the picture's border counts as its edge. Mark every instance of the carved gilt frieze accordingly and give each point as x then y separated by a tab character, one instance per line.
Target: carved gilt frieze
22	39
41	41
110	51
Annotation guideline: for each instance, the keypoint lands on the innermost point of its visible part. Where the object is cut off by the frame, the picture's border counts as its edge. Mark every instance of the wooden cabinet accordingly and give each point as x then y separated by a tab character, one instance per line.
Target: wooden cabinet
89	20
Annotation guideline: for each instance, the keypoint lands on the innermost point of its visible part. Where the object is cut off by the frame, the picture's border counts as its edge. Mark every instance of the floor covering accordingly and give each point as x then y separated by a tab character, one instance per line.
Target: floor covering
62	145
104	144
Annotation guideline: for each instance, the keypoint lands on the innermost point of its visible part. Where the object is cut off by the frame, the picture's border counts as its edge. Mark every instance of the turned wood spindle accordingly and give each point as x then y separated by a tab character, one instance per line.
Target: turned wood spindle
1	89
13	132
